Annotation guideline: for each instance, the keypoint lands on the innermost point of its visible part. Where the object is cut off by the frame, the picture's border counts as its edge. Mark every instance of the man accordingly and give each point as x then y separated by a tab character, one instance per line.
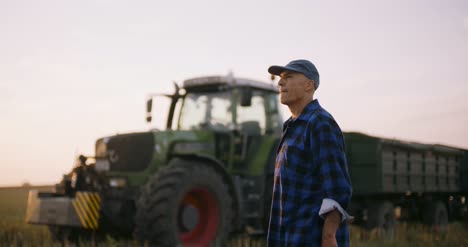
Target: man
312	188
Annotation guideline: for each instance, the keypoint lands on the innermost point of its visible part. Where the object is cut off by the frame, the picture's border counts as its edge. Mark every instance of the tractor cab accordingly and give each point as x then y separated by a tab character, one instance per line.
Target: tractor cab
241	112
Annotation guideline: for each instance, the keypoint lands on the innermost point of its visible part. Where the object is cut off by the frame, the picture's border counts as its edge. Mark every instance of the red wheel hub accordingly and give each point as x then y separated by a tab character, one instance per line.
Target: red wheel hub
198	218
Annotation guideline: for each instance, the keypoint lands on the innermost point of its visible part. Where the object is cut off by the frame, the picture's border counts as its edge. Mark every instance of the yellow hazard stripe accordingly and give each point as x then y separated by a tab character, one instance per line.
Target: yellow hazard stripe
83	198
79	213
93	208
92	219
84	211
96	196
94	199
87	207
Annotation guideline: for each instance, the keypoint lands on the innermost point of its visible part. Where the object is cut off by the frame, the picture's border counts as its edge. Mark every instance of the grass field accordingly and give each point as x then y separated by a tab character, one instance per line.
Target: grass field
15	232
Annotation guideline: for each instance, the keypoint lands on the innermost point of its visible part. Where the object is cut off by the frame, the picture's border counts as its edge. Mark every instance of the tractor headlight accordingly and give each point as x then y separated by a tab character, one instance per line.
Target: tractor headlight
117	182
102	165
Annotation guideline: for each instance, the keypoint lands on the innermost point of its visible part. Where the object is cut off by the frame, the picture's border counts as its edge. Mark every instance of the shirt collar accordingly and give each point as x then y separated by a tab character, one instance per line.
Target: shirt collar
306	112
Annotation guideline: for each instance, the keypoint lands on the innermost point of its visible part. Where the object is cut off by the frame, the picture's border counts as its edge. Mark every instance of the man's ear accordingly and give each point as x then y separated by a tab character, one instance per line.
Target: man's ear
310	85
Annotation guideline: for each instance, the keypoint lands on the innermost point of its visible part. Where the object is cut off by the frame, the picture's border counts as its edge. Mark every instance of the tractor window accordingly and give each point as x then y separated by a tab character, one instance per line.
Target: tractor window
203	110
253	117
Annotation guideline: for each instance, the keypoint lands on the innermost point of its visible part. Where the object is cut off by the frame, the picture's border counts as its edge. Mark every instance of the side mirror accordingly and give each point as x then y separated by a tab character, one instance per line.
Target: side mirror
246	97
149	106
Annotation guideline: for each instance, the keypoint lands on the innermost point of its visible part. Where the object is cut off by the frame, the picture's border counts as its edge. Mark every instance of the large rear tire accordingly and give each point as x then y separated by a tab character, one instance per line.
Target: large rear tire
436	217
381	216
185	204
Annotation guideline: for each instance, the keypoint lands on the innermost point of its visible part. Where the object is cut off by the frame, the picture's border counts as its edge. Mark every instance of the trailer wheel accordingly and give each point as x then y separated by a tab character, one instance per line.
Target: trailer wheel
436	217
381	216
185	204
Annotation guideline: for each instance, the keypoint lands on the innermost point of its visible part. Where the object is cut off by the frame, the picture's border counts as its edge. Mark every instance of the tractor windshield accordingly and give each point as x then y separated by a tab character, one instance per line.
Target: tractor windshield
206	110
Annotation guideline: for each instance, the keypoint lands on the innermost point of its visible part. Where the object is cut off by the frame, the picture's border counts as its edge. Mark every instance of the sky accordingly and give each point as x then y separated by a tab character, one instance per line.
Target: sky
74	71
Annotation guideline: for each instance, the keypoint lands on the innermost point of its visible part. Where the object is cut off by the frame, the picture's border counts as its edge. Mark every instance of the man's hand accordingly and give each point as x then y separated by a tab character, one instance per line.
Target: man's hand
330	226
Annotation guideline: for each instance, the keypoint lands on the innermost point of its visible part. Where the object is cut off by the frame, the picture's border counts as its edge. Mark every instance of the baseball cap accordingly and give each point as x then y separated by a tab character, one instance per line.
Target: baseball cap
302	66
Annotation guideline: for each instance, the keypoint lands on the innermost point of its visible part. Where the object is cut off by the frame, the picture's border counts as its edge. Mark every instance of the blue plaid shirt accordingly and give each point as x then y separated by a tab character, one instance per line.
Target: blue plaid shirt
310	166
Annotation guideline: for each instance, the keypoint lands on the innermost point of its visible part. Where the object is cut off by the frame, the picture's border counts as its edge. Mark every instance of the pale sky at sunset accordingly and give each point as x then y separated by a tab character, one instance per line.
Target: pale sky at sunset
74	71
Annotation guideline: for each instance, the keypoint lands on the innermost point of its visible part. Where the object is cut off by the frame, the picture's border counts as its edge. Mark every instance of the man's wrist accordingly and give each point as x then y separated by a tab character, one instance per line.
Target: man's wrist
331	224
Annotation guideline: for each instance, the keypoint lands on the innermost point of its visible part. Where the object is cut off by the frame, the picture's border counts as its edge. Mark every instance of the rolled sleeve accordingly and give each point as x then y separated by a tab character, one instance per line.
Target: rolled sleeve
334	175
329	205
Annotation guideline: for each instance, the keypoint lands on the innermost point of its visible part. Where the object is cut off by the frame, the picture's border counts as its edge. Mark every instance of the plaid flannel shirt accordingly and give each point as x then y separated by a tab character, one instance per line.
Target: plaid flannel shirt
310	166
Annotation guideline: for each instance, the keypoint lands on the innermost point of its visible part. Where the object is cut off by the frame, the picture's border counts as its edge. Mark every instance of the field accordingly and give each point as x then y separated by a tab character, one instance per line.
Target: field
15	232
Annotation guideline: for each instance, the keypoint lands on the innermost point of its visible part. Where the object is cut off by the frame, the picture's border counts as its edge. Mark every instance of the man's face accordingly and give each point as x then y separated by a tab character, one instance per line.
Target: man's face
294	88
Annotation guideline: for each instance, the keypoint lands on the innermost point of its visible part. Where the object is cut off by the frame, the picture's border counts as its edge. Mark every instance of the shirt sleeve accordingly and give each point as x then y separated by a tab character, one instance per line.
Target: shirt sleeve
330	157
329	205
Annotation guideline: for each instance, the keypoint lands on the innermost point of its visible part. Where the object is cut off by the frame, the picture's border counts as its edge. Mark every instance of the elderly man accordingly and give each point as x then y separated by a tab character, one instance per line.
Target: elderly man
312	187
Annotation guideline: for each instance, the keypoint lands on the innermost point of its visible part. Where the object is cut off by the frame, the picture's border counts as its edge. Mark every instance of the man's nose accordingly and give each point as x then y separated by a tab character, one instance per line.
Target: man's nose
281	82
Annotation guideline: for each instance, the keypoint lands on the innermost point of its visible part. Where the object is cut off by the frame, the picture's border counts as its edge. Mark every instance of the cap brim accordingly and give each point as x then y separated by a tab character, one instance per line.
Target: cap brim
277	70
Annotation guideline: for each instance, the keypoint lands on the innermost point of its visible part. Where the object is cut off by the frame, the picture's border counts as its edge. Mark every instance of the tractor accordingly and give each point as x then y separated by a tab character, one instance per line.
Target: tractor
206	176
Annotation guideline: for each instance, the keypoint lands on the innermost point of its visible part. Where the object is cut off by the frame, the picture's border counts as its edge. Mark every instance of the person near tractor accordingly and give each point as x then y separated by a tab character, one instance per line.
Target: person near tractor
312	187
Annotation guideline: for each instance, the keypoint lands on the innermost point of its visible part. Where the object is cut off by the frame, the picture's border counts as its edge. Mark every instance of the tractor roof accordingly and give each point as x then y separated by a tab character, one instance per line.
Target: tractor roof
229	81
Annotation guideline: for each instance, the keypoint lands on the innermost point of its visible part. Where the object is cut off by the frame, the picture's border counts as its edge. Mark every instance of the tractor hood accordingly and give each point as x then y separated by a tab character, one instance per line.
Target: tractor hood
135	152
125	153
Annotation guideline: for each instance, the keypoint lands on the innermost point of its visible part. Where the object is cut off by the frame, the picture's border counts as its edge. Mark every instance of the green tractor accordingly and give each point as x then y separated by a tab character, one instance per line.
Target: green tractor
208	175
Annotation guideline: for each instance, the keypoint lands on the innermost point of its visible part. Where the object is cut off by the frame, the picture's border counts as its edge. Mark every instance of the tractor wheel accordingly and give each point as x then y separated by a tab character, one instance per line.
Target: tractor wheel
185	204
381	216
436	216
